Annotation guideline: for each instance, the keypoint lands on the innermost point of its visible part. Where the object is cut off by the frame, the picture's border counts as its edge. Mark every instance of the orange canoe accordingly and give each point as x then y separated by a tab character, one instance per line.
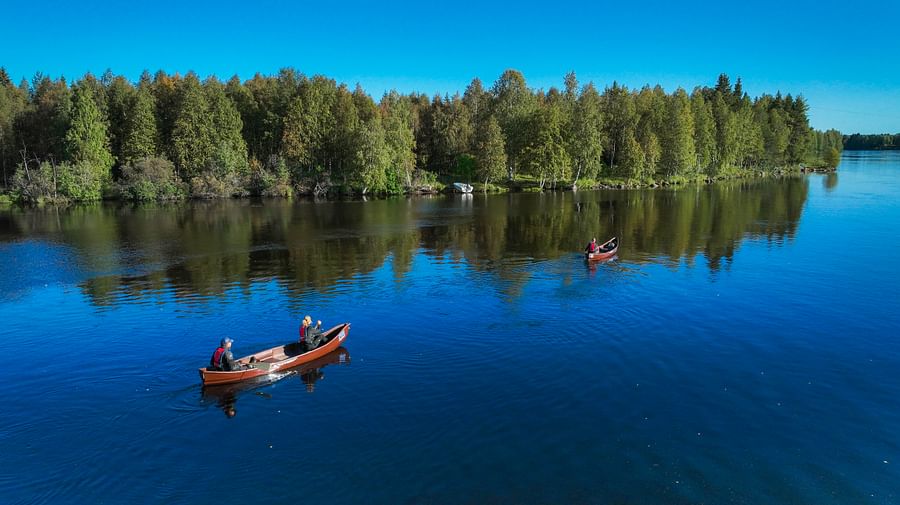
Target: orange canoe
276	359
605	251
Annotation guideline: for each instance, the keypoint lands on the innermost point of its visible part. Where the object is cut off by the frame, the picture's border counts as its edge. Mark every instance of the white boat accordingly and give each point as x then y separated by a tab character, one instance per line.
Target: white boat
462	187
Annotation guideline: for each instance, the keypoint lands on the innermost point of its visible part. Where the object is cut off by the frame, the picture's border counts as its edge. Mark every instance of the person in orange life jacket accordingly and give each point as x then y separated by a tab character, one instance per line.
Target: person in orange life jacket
591	247
310	336
223	360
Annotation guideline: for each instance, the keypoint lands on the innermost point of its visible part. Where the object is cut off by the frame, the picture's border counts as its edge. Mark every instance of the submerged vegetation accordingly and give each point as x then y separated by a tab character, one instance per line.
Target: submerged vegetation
173	136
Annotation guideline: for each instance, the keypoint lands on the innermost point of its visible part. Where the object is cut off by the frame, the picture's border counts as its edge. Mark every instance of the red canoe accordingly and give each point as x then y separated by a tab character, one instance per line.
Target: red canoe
605	251
276	358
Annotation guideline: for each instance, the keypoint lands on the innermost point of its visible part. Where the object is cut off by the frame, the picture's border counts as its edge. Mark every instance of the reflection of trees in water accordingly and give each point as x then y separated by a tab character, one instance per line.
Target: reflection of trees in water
830	181
206	248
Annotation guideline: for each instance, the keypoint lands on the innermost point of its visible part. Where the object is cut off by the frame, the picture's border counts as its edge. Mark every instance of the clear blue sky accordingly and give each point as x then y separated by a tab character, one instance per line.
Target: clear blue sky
844	57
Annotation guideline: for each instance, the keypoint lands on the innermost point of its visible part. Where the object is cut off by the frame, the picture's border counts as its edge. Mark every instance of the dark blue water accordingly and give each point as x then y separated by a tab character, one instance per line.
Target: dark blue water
743	348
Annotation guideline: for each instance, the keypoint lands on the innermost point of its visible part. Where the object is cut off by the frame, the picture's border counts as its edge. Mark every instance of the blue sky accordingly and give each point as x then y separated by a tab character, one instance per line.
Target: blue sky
843	57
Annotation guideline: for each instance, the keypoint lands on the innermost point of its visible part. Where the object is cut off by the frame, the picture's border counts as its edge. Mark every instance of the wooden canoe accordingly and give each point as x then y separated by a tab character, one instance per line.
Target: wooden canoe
276	359
605	251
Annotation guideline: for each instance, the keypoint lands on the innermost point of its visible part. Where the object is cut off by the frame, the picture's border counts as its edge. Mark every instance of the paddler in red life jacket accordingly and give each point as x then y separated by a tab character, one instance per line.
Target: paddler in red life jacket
591	247
222	360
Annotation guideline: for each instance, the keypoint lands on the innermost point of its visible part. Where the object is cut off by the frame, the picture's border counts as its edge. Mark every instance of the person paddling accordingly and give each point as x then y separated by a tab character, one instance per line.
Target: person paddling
310	335
592	246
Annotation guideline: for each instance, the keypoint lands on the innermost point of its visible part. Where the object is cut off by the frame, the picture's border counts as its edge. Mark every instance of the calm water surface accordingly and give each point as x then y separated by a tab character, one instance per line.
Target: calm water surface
743	348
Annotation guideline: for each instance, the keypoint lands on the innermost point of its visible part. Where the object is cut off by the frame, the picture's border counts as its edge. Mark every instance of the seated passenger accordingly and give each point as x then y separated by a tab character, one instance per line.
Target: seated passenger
222	360
310	335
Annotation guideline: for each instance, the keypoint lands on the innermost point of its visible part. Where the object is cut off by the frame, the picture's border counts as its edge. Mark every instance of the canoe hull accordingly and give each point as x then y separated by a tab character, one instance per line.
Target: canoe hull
276	359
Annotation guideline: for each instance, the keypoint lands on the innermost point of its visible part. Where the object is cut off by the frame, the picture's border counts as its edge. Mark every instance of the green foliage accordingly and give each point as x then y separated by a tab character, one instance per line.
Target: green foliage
832	157
545	152
585	132
87	141
151	179
490	156
140	134
81	181
271	181
858	142
269	135
677	142
192	144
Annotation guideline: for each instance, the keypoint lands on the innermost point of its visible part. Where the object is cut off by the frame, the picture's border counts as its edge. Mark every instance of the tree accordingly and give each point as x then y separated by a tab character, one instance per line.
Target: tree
490	154
704	132
513	107
832	157
13	101
621	121
585	139
308	127
677	142
87	147
120	95
140	137
726	134
192	141
545	153
230	150
399	138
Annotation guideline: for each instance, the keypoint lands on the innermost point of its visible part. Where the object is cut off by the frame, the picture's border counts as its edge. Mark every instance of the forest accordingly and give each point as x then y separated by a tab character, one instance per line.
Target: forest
173	136
859	142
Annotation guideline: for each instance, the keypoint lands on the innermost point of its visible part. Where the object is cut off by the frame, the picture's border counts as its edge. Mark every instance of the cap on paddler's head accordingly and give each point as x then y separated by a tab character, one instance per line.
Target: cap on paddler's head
226	340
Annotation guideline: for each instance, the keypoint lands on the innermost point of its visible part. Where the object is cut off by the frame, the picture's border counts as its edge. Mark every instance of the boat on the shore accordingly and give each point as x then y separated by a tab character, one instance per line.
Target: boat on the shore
276	359
462	187
605	251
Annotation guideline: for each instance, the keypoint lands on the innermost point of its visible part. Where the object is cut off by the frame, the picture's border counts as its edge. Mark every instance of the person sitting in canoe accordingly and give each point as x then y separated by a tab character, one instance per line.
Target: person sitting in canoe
222	360
311	336
591	247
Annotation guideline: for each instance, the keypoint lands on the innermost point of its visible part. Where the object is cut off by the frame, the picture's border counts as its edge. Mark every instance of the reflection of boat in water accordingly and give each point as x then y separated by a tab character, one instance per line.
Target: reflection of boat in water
462	187
605	251
226	395
276	359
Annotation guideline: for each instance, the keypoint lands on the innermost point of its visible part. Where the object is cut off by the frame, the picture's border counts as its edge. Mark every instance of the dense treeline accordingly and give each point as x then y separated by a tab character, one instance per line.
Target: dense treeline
859	142
170	136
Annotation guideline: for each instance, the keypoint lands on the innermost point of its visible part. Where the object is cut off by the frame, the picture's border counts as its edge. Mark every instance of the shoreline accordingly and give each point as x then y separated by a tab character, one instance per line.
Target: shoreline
517	185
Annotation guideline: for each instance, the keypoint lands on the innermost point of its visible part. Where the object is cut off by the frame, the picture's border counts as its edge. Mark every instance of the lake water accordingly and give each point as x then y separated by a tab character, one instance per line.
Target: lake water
742	348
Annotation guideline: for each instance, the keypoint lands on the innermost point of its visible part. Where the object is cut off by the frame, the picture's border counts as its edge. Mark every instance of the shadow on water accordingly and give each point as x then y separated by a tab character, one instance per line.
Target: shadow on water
225	396
198	250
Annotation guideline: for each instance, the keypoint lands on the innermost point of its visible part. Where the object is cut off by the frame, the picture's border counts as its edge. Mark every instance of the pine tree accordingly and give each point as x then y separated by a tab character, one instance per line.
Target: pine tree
87	148
140	134
120	96
230	150
87	139
192	140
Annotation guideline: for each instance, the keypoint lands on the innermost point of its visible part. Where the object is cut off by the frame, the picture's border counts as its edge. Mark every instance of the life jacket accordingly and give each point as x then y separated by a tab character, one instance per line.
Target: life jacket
592	247
302	333
216	362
